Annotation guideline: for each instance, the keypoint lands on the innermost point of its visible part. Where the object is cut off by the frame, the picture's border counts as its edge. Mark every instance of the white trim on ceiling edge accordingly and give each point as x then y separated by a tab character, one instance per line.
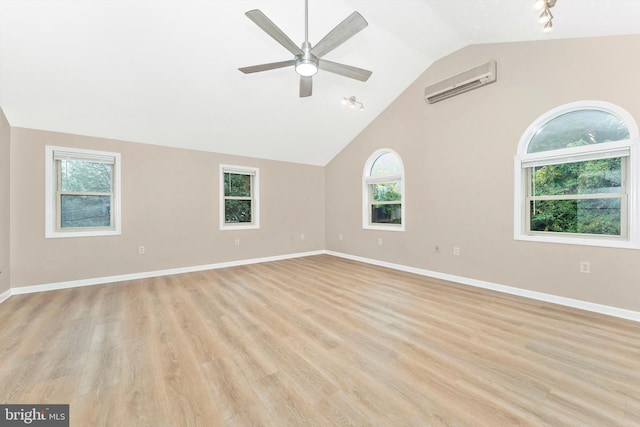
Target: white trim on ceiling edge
569	302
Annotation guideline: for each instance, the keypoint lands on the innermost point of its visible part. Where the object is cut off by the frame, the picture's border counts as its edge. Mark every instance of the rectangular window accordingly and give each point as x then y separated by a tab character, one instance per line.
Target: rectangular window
385	202
586	197
239	197
82	192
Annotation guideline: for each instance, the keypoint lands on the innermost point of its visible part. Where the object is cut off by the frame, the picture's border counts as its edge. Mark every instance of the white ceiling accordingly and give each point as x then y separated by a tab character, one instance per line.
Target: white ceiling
166	71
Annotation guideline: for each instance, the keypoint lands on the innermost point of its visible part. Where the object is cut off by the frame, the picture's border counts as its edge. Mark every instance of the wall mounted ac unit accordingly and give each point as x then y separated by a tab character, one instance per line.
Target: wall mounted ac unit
463	82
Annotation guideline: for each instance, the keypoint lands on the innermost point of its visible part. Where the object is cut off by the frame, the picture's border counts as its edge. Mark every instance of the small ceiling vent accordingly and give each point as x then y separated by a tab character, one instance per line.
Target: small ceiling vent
463	82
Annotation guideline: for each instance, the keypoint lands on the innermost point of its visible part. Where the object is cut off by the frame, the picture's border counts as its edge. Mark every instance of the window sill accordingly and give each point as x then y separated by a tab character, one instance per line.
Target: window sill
582	241
384	227
83	233
228	227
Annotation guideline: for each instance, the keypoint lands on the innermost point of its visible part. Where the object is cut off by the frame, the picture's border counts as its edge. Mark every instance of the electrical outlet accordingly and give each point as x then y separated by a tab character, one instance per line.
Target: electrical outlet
456	250
141	250
302	237
237	242
585	267
379	241
340	237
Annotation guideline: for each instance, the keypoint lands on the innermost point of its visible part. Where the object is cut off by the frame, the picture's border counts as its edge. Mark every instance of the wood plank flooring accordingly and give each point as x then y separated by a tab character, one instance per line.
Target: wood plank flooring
316	341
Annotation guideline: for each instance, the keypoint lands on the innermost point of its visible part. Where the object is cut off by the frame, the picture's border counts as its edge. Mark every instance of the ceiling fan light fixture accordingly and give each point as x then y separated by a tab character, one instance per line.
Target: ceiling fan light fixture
306	67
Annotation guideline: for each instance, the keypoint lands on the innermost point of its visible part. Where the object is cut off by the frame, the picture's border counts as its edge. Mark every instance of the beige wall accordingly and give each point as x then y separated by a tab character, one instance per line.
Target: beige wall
169	205
5	133
458	158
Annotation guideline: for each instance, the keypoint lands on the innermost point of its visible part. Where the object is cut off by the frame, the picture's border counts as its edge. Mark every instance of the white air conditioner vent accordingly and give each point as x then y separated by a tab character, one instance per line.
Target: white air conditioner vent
463	82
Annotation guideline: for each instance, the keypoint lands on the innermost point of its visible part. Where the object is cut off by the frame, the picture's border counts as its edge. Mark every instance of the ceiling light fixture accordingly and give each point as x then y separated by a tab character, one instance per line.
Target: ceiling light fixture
546	17
353	102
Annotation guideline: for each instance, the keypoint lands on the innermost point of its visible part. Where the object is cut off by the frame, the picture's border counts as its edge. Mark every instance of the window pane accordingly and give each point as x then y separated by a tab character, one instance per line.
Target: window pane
386	192
85	211
237	211
590	177
590	216
582	127
237	185
386	214
386	164
85	177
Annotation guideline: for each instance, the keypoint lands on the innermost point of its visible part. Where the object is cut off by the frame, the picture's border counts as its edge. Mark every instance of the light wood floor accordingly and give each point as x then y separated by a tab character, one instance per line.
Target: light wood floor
315	341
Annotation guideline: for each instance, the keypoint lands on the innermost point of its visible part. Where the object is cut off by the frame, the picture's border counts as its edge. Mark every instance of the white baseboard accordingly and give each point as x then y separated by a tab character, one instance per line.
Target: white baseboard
147	274
5	295
569	302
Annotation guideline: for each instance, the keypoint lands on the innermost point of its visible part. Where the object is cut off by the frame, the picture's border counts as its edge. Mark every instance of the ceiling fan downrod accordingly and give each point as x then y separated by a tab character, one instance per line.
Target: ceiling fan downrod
306	64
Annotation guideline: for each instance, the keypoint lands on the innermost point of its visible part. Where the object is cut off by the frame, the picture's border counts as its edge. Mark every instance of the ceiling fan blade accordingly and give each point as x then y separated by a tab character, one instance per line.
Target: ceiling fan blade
272	29
266	67
306	83
353	24
345	70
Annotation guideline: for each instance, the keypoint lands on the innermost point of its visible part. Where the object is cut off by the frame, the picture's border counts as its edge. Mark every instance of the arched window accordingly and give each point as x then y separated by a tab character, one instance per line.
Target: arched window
383	192
576	177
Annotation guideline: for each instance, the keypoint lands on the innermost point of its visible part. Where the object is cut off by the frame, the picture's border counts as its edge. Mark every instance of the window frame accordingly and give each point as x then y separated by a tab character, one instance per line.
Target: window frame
255	197
627	150
367	202
53	194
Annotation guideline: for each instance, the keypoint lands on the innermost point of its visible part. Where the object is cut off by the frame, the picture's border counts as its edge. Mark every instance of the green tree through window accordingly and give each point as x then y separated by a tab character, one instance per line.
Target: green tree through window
585	216
239	198
238	201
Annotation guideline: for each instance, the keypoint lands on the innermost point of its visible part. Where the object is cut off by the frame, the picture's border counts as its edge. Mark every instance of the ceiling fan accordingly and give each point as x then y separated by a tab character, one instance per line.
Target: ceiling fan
306	59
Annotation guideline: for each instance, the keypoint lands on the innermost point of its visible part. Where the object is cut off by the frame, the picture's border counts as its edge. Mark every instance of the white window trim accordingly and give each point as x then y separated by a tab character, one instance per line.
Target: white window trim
255	191
628	148
367	180
51	228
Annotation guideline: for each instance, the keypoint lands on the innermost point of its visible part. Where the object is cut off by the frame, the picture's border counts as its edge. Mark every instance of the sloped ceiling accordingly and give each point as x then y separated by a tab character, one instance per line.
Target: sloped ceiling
166	71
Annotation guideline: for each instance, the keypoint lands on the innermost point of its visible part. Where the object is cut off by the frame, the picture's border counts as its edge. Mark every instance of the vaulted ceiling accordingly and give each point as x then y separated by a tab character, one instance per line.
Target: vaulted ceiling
166	71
